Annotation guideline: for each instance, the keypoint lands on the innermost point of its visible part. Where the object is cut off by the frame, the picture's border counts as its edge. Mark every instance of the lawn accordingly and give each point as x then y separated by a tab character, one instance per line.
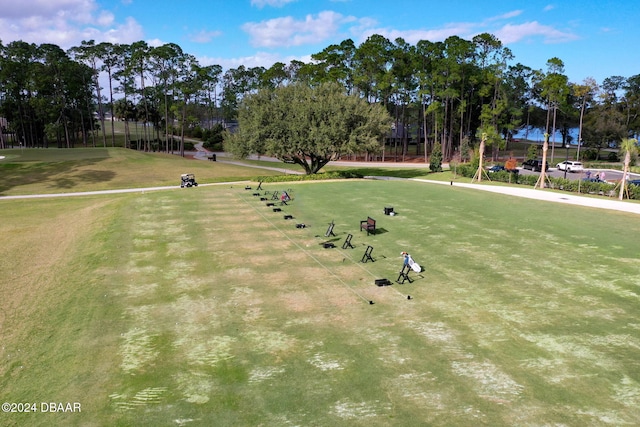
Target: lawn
53	170
203	306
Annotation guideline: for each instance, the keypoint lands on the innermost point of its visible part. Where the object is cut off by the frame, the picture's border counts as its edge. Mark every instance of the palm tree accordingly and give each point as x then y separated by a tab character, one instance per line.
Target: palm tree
543	171
585	93
488	136
629	146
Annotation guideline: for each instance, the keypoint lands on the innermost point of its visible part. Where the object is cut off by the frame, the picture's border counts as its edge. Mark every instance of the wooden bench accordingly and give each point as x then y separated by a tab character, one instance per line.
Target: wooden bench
368	224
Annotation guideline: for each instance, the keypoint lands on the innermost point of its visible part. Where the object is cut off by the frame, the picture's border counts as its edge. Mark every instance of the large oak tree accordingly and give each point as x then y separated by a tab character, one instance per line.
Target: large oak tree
308	125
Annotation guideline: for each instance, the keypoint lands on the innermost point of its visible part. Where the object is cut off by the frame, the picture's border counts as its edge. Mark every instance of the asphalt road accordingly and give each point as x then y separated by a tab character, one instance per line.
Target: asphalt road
610	174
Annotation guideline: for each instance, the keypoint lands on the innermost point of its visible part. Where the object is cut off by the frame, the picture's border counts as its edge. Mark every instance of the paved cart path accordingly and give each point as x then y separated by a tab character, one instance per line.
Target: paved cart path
530	193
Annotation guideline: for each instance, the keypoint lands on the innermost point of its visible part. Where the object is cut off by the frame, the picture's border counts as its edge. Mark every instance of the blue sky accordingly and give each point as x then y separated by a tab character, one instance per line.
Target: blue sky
594	38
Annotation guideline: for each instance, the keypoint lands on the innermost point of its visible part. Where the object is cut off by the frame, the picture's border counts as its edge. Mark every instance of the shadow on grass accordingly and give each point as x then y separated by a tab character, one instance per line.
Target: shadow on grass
59	175
332	240
379	231
89	176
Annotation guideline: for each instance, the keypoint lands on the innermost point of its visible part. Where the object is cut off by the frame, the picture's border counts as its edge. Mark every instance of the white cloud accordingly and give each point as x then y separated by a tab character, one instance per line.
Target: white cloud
204	36
507	15
64	23
272	3
287	31
361	26
259	59
105	18
79	9
414	36
515	33
155	42
507	33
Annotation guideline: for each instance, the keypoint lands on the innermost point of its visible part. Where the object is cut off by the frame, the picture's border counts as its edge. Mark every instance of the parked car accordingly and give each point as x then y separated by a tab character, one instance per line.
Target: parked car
570	166
495	168
634	181
534	165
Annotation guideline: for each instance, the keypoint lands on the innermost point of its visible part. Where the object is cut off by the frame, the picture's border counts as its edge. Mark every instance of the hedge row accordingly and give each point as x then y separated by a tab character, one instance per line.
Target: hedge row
574	186
313	177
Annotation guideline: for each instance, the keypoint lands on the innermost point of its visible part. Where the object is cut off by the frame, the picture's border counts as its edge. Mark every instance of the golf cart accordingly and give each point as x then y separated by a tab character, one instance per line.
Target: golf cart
188	180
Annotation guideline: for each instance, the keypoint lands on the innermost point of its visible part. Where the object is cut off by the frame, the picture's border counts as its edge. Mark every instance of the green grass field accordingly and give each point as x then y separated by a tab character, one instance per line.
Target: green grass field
53	170
203	306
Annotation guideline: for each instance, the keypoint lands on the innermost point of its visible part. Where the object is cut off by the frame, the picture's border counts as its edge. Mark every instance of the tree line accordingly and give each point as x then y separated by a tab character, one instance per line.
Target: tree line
445	93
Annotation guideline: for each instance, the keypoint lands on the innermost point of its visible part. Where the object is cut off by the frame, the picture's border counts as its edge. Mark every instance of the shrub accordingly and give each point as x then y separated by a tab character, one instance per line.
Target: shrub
603	188
528	180
465	149
466	170
505	176
196	132
435	162
213	138
312	177
213	147
564	184
634	191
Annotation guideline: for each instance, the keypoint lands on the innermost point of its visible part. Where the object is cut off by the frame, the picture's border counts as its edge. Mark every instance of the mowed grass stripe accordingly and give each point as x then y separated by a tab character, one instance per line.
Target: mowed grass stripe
526	313
556	262
319	258
486	373
235	268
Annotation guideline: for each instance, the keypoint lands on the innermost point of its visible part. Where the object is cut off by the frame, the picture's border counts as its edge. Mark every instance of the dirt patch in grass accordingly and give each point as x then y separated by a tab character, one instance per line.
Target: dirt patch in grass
298	301
196	387
350	410
202	351
569	347
140	291
489	380
137	349
142	398
421	388
269	342
260	374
